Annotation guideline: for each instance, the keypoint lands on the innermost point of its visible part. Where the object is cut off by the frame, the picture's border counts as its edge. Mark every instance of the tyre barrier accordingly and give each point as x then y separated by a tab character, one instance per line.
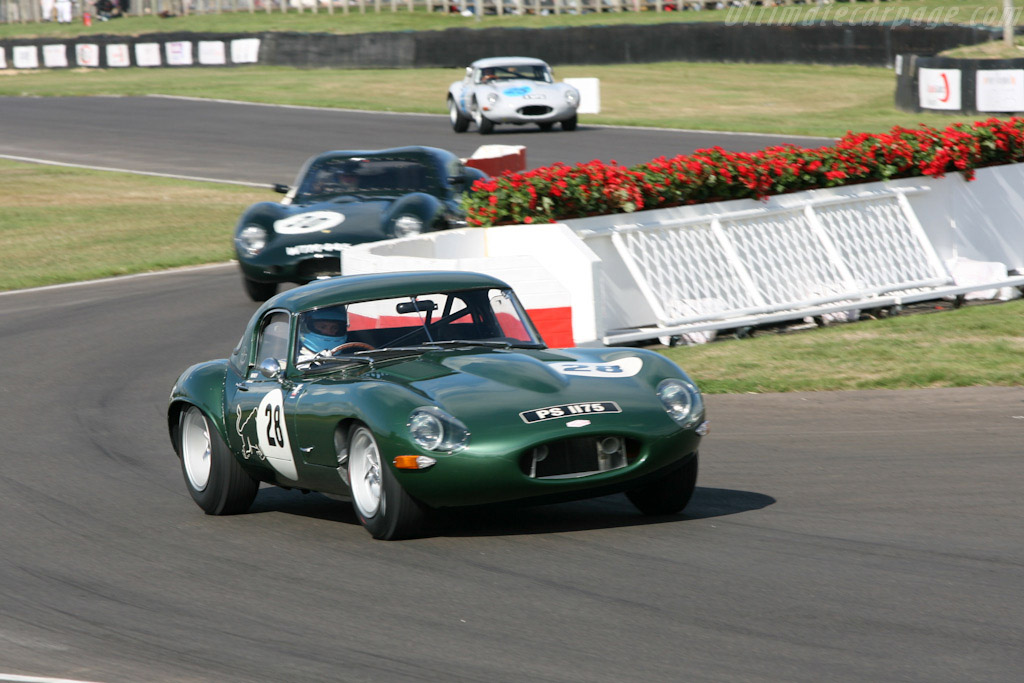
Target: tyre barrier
960	86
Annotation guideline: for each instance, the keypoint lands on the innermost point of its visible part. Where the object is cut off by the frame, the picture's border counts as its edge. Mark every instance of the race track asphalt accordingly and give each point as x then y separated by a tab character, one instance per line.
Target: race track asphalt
856	536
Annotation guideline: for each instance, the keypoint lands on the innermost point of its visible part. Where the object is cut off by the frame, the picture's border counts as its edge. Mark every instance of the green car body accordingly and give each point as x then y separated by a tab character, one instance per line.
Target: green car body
518	422
347	197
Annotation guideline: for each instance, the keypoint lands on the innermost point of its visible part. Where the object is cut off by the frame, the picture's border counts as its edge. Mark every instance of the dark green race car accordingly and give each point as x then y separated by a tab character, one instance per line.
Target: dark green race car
406	392
347	197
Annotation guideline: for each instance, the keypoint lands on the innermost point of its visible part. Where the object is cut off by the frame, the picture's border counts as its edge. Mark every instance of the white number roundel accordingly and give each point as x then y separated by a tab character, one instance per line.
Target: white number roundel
272	434
314	221
624	367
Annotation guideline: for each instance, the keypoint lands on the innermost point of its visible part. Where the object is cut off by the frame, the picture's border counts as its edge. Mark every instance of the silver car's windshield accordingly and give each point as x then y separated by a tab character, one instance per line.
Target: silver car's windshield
481	317
531	72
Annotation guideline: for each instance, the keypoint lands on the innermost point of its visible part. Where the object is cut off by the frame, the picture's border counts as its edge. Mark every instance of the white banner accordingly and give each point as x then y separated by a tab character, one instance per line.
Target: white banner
212	52
3	59
147	54
1000	90
55	56
87	54
25	57
179	53
118	55
245	50
939	88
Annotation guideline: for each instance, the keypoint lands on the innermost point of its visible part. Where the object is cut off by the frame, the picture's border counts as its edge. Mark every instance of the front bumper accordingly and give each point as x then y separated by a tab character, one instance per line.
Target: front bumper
473	477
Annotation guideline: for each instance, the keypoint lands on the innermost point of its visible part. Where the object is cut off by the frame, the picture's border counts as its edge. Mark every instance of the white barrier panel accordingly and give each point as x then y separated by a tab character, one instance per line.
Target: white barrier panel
551	270
590	94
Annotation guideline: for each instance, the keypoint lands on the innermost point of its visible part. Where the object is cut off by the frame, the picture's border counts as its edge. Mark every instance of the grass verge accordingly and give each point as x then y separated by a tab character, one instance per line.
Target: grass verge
803	99
978	345
148	224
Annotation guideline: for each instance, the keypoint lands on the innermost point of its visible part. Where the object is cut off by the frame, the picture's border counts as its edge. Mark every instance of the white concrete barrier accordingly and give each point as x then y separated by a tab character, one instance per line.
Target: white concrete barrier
651	274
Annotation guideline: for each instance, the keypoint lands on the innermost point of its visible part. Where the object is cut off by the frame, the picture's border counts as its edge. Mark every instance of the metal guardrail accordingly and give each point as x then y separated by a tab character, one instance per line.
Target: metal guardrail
757	266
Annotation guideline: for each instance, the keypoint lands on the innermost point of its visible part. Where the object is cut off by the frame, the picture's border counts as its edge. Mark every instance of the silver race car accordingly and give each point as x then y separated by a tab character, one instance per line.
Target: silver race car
517	90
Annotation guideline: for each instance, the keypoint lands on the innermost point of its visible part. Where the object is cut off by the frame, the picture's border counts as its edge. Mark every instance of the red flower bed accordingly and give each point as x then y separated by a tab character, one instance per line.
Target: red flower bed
561	192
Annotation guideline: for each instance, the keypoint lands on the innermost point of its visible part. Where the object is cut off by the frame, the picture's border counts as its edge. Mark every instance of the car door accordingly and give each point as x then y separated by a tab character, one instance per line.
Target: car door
259	402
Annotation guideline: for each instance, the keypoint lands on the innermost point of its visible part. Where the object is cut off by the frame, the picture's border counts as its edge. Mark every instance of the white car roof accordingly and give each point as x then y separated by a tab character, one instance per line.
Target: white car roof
501	61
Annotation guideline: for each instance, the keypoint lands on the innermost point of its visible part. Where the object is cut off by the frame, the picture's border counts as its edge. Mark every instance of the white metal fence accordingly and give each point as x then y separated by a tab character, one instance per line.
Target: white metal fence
760	266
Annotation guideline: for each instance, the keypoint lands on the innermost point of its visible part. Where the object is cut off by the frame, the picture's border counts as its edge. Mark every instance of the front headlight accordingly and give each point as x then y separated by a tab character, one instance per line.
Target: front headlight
572	97
435	430
408	225
682	401
252	240
492	98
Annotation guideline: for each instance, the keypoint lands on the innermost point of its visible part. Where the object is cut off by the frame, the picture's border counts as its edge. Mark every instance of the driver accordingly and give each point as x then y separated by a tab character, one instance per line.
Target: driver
320	331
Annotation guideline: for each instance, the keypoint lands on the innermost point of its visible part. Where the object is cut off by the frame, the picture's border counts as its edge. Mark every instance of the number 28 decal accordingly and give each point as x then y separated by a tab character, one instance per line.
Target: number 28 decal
272	434
624	367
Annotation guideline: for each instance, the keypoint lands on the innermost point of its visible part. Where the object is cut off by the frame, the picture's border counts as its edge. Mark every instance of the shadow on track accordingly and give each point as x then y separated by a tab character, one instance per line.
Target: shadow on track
609	512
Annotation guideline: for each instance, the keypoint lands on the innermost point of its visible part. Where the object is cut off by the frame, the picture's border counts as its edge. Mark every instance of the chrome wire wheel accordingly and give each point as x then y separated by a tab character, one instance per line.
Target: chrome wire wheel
365	473
196	451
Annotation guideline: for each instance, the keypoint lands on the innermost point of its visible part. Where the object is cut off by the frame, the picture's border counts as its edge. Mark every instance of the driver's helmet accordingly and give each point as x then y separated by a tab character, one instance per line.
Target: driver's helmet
346	177
324	329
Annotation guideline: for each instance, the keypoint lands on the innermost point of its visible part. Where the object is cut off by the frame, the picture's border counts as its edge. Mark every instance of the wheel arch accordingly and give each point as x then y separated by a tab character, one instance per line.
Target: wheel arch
201	386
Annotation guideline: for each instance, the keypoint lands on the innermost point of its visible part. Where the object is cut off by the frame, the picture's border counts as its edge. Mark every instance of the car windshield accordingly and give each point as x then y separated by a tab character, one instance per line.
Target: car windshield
369	330
532	72
341	175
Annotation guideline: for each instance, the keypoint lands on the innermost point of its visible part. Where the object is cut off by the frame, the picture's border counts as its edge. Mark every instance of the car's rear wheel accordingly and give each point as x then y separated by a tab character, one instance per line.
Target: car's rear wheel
217	482
380	502
569	124
259	291
668	495
459	122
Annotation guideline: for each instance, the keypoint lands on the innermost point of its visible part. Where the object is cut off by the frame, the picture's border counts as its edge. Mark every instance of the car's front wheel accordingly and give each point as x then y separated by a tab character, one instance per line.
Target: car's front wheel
569	124
483	124
259	291
380	502
459	122
668	495
217	482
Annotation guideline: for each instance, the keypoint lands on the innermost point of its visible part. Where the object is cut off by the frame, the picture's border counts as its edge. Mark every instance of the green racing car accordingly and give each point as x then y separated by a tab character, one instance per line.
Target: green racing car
408	392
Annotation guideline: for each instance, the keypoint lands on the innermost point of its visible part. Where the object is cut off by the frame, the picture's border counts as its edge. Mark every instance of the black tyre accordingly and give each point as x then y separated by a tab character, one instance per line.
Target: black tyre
569	124
546	126
459	122
668	495
380	502
217	482
485	125
259	291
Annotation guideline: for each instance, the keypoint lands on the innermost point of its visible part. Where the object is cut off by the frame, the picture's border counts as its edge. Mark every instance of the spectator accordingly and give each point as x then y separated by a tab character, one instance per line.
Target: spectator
47	6
63	11
107	9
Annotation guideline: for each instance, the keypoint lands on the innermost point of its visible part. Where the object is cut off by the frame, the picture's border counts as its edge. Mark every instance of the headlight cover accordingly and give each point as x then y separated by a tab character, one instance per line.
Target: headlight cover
252	240
572	97
682	401
435	430
492	98
408	225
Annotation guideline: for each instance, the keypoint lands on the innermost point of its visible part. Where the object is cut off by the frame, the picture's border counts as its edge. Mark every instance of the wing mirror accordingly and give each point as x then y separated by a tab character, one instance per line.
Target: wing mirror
270	368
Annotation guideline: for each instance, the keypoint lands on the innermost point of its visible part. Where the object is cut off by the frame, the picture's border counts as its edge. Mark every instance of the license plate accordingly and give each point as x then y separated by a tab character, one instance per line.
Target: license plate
570	410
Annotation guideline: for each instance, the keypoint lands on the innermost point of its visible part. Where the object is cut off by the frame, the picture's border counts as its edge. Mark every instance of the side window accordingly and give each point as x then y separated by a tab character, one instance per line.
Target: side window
273	338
